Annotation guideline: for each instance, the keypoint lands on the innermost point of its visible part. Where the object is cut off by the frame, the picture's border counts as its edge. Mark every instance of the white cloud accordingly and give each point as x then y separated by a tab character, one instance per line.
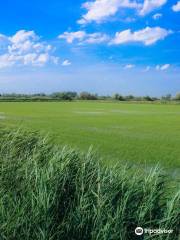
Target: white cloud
23	36
83	37
66	63
162	67
176	7
129	66
4	41
71	36
6	60
151	5
147	36
100	10
96	38
24	48
157	16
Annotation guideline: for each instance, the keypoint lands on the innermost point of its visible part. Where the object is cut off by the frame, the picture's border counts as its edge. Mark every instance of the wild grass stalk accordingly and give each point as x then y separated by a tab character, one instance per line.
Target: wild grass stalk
49	193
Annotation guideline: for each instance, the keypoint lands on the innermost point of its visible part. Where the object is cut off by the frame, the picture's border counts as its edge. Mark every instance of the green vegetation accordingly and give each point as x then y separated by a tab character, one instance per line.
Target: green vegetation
137	134
70	96
51	193
177	97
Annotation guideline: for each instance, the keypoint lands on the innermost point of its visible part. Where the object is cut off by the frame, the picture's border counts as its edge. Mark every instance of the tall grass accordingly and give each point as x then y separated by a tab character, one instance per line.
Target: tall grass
50	193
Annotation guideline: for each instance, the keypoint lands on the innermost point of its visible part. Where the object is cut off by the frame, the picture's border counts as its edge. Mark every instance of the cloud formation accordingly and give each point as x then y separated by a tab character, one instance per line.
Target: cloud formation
147	36
176	7
66	63
100	10
83	37
162	67
24	48
151	5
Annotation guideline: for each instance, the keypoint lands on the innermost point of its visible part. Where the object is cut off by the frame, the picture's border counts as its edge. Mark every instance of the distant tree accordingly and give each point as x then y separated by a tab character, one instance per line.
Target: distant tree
104	97
73	95
177	97
39	94
115	96
121	98
88	96
147	98
130	98
155	98
166	97
64	95
56	95
118	97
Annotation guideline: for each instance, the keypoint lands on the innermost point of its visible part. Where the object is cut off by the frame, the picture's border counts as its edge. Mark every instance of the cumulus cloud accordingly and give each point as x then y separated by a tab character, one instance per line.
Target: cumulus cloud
147	36
162	67
4	41
100	10
157	16
66	63
129	66
83	37
7	60
151	5
25	48
176	7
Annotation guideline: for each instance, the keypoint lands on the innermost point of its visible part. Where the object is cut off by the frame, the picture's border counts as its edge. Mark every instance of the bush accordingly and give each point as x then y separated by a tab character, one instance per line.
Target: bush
51	193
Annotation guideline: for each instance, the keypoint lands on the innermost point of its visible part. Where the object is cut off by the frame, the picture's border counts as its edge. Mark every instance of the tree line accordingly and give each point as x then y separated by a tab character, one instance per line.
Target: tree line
70	96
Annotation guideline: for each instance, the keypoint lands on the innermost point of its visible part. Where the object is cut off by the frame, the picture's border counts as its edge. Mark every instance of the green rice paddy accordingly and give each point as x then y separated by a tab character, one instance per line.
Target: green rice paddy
140	134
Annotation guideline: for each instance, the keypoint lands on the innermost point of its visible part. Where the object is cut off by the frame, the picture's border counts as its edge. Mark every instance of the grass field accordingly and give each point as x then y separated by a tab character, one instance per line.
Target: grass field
134	133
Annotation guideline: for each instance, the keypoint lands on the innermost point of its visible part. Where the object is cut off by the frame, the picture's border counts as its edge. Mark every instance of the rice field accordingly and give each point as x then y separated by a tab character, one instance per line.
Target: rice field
137	134
51	191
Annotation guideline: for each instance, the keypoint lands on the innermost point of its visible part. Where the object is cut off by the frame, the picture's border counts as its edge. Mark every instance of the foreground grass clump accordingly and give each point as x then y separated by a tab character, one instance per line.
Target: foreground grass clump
49	193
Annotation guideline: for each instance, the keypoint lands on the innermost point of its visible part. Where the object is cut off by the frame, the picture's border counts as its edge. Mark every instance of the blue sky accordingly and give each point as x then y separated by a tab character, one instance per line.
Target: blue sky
102	46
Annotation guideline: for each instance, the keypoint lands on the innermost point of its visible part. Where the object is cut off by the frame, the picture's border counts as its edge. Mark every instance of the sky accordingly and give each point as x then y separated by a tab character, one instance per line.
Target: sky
100	46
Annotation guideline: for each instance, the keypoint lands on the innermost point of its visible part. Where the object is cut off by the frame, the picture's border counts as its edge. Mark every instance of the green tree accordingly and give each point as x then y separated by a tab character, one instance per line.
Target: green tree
118	97
167	97
177	96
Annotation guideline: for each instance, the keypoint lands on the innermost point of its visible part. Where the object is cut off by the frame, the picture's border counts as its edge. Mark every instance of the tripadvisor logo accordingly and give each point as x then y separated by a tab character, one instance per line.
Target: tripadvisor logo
140	231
